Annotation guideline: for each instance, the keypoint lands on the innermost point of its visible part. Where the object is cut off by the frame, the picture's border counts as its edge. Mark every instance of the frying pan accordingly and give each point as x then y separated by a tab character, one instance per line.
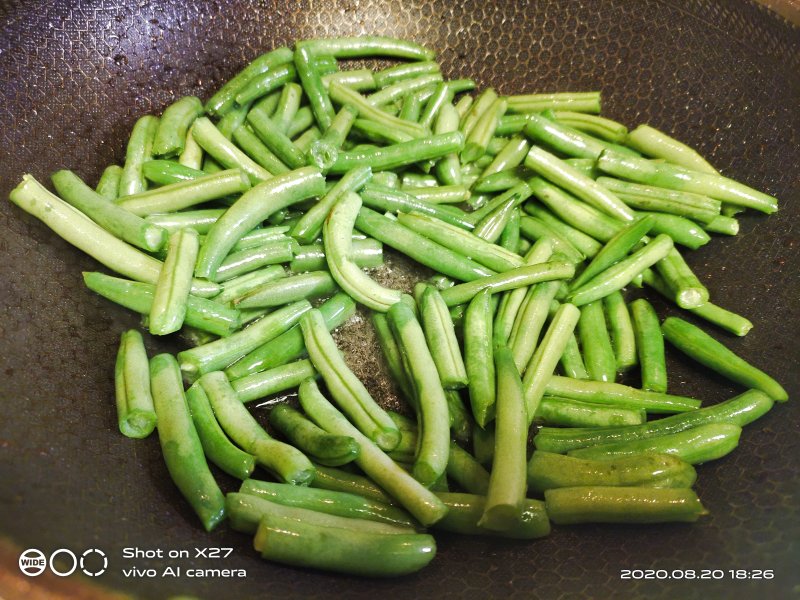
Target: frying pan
723	76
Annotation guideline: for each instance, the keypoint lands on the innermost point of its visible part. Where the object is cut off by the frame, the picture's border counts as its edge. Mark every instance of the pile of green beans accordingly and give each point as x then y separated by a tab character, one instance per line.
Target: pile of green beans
246	226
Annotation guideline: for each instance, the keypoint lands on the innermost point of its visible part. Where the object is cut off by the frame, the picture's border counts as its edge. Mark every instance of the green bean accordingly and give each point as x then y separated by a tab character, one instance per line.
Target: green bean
598	353
349	393
652	142
216	445
379	133
588	102
672	177
394	359
262	235
623	339
530	319
252	145
476	110
253	207
238	287
509	237
233	120
615	250
404	88
275	140
585	244
200	220
515	278
709	311
108	185
448	168
421	503
171	294
139	150
84	234
180	195
432	408
163	172
411	181
311	81
245	261
700	346
387	179
288	463
535	229
479	359
681	230
192	154
342	504
695	446
290	345
565	412
224	152
265	83
399	155
572	361
517	193
302	122
379	197
311	135
108	215
323	152
201	313
366	253
223	352
650	346
490	255
622	273
563	138
446	194
544	360
722	224
272	381
307	286
643	197
337	236
479	136
687	290
440	336
465	510
322	447
170	135
288	105
467	472
562	174
405	71
597	126
442	95
136	416
342	549
418	247
598	504
360	80
547	470
505	496
511	156
180	445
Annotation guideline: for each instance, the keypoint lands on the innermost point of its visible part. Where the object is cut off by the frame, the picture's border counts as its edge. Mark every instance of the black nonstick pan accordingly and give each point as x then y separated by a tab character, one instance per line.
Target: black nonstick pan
722	75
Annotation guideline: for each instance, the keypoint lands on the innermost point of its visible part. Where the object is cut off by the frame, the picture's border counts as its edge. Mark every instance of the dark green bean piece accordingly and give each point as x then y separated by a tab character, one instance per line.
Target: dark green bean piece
712	313
623	338
687	290
323	152
275	140
597	504
565	412
116	220
572	361
535	229
224	152
418	247
139	150
342	504
530	319
464	511
399	155
382	198
563	138
338	480
216	445
441	338
266	82
617	394
290	345
476	111
648	172
223	352
739	410
505	496
136	416
547	471
199	220
509	237
288	105
342	549
315	284
695	446
681	230
245	261
108	185
595	125
252	208
367	254
163	172
598	354
444	194
584	243
171	294
240	286
252	145
700	346
322	447
650	346
479	358
273	381
174	124
288	463
360	80
643	197
477	141
588	102
722	224
348	391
